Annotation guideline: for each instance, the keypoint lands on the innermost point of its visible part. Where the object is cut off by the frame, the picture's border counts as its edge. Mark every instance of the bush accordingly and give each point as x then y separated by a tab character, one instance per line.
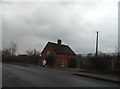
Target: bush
51	59
98	63
72	63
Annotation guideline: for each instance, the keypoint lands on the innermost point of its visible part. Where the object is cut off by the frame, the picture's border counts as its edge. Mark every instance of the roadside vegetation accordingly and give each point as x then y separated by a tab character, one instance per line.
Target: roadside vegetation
51	60
9	55
106	64
72	63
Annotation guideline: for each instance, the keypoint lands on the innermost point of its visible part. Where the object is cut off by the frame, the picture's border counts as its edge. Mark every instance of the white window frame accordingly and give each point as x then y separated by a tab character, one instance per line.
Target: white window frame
48	52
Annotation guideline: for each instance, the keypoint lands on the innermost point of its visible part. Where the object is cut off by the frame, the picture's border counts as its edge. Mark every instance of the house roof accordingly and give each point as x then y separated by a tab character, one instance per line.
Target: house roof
60	48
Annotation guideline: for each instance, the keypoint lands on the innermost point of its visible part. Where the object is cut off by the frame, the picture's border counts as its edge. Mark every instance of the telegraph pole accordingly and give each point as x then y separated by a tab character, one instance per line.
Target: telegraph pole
97	44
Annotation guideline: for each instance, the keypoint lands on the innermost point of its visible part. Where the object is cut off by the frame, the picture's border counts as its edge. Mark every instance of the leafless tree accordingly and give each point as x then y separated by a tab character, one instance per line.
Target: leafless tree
5	52
10	50
117	51
0	55
33	52
12	47
29	52
33	56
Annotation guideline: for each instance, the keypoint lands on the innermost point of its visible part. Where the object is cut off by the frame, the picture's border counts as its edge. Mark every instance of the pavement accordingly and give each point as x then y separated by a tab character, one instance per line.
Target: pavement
104	77
101	76
80	72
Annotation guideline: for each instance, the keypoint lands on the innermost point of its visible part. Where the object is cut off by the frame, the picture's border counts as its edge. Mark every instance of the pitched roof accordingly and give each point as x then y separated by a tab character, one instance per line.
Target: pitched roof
60	48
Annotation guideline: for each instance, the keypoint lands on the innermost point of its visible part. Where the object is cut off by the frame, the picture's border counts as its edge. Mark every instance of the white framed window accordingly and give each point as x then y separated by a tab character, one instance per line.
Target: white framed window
48	52
62	63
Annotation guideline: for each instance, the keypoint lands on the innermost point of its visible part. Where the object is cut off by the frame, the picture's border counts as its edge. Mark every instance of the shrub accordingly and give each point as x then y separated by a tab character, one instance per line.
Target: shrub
72	63
98	63
51	59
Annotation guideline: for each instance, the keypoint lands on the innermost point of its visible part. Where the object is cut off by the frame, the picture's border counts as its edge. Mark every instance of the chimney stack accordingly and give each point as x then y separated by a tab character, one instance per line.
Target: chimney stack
59	41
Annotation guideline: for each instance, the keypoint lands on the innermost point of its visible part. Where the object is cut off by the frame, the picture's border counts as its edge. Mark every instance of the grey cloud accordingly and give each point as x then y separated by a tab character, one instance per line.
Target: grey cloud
32	25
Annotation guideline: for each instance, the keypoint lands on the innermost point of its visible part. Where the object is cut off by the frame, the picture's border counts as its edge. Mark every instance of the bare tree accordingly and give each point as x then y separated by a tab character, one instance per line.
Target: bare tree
117	51
29	52
33	56
8	53
5	52
0	56
11	49
37	53
33	52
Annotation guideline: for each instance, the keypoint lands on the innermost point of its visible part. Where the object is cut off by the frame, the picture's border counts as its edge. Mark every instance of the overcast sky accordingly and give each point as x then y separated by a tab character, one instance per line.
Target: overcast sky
32	24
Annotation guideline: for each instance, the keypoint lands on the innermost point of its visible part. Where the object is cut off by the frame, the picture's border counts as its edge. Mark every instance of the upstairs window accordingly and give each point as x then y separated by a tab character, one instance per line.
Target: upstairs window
48	52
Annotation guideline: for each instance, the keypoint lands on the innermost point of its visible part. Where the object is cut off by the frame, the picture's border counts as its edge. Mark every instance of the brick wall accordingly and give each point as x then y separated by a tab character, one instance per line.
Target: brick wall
65	58
60	57
44	54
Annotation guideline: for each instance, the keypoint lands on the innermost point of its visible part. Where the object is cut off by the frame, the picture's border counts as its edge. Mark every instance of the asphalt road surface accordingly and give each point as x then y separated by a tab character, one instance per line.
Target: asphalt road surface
35	76
0	74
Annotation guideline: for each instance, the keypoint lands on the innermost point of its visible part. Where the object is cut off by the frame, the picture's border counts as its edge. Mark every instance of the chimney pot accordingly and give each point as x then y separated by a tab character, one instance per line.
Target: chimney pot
59	41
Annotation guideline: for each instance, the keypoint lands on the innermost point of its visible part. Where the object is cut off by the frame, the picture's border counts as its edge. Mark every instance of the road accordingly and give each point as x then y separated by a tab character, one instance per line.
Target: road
35	76
0	74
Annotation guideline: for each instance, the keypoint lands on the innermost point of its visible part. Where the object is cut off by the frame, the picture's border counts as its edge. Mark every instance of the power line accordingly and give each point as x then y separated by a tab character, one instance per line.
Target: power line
89	25
80	17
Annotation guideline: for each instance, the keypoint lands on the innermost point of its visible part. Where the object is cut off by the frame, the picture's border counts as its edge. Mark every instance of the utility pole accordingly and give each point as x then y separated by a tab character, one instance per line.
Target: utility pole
97	44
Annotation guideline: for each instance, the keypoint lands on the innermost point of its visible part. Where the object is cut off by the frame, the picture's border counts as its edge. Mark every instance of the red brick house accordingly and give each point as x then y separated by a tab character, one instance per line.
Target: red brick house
62	52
